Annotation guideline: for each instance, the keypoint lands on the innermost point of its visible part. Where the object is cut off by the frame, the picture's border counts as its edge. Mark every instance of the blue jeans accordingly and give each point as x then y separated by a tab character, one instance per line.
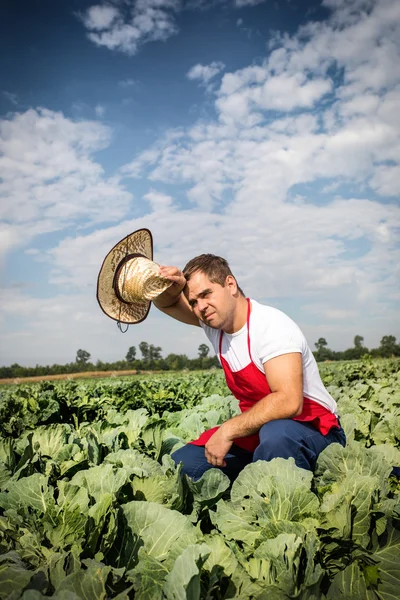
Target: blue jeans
282	438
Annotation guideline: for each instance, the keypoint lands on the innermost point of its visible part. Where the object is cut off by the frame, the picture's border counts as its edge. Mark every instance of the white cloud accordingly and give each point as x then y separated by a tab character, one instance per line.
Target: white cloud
386	180
160	203
204	73
100	17
242	166
133	24
100	110
125	83
49	179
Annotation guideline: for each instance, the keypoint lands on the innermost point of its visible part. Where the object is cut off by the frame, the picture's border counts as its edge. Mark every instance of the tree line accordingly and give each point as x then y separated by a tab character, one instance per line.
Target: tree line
151	359
387	348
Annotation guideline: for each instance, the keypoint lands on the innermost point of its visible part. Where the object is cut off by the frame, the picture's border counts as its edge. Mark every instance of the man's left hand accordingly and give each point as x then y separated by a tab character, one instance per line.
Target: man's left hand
217	448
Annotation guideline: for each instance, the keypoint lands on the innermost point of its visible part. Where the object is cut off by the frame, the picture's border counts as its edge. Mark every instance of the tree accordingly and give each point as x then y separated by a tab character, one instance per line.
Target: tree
388	346
323	353
322	343
358	341
144	349
82	357
154	352
131	354
177	361
203	350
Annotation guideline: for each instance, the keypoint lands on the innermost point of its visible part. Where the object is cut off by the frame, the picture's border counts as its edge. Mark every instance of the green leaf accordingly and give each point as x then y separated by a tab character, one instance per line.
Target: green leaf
133	462
388	564
98	514
348	509
220	555
14	577
148	577
7	453
29	492
388	429
164	533
51	440
103	479
68	525
235	523
163	485
87	585
336	463
183	582
95	453
31	548
5	475
289	562
349	583
72	496
263	495
283	469
208	489
56	565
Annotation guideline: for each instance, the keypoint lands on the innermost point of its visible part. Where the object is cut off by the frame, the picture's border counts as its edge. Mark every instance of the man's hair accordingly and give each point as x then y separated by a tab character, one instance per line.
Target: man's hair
215	267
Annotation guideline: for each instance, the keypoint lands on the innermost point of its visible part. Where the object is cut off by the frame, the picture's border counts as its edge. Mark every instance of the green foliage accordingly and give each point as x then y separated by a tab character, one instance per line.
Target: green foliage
93	506
152	360
203	351
388	348
82	357
131	354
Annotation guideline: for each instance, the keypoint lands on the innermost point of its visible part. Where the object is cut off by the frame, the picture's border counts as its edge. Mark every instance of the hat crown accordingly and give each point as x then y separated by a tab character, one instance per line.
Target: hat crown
139	280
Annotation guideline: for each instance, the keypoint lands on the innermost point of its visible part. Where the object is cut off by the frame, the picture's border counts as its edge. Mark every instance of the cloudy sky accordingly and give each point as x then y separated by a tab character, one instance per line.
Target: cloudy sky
266	132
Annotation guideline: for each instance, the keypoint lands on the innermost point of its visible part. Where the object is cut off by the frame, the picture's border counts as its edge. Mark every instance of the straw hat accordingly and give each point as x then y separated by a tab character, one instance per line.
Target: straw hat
129	279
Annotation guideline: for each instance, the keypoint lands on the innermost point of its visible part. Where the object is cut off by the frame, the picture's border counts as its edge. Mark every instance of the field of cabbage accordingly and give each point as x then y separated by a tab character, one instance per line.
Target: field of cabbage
93	507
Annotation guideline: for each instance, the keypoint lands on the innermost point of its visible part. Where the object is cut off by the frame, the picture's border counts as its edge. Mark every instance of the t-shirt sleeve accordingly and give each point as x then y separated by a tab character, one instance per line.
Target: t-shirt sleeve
282	336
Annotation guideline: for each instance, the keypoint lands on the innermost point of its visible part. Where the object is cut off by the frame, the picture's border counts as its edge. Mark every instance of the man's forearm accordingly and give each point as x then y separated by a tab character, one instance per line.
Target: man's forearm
168	302
272	407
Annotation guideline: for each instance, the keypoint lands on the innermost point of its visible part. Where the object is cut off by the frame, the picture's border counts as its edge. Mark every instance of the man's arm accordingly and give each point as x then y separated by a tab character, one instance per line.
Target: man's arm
172	302
285	378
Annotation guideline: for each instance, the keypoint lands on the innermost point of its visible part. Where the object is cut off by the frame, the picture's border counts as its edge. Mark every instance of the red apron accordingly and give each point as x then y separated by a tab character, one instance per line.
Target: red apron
249	386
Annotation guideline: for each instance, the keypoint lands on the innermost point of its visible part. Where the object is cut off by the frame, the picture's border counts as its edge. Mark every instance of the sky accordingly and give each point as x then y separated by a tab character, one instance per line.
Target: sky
264	132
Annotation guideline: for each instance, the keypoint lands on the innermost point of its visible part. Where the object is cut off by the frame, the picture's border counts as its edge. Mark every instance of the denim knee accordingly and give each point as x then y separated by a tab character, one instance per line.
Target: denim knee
285	438
194	461
276	444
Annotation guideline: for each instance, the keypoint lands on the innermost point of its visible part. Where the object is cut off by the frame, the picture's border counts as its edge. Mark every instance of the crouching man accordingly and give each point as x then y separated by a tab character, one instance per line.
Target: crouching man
285	409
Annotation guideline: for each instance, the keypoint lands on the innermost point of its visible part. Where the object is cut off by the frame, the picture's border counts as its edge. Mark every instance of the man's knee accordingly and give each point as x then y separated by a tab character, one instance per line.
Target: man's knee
283	439
275	442
193	460
274	432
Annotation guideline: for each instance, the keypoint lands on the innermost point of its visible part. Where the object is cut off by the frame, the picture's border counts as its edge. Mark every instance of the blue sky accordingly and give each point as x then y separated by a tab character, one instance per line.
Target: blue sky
268	133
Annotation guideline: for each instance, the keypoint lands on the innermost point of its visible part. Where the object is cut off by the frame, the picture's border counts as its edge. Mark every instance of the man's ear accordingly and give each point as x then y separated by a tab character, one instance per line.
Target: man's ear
230	282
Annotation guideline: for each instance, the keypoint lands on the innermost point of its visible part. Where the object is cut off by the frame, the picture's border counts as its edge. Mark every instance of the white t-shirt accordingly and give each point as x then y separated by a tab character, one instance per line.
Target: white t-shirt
272	333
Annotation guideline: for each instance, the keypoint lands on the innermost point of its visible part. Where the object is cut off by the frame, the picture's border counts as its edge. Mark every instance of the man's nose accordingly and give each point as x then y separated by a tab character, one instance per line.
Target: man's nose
201	304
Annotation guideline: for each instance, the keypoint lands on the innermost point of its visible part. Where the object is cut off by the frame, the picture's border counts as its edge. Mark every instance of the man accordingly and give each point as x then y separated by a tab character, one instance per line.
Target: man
286	410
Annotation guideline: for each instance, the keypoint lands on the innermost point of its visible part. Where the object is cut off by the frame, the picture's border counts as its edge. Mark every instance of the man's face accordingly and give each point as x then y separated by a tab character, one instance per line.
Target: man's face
211	302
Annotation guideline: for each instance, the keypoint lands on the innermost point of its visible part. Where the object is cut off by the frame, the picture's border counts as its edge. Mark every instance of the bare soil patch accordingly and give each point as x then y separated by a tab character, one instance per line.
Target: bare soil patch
68	376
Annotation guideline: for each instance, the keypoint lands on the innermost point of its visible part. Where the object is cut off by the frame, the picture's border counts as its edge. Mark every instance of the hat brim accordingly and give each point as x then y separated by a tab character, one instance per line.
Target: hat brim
138	242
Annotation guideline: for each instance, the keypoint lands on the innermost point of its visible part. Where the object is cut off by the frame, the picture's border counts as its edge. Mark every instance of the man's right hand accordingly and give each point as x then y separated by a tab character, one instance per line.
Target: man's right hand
171	294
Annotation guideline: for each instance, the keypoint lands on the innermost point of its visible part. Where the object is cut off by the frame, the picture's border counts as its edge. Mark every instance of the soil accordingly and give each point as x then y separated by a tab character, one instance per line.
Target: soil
68	376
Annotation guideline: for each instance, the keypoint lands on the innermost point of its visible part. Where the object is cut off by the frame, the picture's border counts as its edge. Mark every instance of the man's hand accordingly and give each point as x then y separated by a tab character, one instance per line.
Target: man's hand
217	448
171	294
